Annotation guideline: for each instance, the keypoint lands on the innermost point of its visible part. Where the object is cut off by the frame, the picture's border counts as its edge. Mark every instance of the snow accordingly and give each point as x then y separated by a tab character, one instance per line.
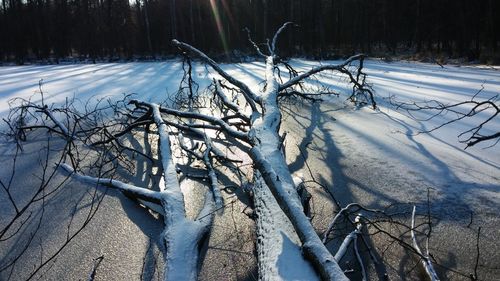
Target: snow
277	240
138	191
181	236
406	80
85	81
282	258
473	175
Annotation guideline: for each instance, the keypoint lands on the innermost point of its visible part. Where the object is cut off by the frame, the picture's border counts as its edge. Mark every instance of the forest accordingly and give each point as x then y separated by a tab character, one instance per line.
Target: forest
32	30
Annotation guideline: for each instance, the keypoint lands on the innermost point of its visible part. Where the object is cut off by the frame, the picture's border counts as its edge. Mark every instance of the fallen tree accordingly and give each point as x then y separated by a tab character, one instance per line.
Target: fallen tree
209	129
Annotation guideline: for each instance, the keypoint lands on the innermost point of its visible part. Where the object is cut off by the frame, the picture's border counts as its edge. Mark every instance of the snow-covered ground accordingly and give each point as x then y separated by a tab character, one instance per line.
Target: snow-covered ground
406	81
155	81
367	156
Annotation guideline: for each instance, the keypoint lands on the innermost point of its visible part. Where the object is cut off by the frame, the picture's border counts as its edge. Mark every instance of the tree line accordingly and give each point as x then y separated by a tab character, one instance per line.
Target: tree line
125	29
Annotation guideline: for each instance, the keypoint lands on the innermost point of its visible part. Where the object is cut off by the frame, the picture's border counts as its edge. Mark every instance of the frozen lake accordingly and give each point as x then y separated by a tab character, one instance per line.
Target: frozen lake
372	157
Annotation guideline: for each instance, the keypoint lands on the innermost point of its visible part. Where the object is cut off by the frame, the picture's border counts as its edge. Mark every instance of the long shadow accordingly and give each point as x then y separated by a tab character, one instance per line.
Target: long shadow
20	71
250	73
462	74
101	85
464	92
67	75
331	154
339	183
451	206
451	198
416	68
153	225
412	130
67	205
373	67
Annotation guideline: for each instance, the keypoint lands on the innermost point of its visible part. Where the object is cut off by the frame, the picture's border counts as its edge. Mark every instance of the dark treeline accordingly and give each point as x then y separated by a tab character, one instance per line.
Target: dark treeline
98	29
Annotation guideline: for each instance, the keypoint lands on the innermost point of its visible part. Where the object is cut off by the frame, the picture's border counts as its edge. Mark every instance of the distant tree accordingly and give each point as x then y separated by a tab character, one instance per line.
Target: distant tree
42	29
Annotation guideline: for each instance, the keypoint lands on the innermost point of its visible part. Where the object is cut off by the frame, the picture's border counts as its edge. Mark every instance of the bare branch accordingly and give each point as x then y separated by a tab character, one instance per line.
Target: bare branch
228	103
277	34
315	70
250	97
467	109
138	192
426	262
213	120
259	52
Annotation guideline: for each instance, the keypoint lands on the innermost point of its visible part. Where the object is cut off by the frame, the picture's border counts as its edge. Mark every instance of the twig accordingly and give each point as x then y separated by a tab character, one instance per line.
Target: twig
475	276
97	262
426	262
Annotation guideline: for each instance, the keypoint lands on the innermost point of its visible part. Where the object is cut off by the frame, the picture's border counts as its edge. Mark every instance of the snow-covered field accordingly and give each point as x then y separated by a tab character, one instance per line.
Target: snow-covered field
371	157
155	81
406	81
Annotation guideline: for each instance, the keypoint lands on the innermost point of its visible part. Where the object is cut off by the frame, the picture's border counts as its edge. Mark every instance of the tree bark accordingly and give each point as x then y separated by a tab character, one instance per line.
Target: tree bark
271	165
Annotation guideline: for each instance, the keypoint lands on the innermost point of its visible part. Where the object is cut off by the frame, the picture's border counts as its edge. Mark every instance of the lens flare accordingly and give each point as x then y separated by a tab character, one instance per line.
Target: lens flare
218	22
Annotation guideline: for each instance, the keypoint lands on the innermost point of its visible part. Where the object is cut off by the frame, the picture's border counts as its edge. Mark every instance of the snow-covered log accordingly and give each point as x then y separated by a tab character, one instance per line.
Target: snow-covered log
271	165
288	246
272	174
279	254
181	236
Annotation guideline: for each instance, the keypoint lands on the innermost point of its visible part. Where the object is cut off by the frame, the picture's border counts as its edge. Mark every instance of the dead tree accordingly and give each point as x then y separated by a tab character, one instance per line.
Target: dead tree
261	119
249	118
236	116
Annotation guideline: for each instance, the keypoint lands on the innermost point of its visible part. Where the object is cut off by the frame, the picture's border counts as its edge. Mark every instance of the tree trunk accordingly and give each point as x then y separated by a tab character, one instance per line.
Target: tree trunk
272	167
173	20
275	231
148	30
191	21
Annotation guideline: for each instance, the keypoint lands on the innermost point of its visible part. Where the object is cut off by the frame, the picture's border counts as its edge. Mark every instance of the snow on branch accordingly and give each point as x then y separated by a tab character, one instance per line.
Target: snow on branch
344	212
257	49
277	34
353	237
20	126
223	126
137	192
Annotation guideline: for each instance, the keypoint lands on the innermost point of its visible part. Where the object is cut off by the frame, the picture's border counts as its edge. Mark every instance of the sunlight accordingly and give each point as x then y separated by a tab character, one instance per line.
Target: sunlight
227	10
215	12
